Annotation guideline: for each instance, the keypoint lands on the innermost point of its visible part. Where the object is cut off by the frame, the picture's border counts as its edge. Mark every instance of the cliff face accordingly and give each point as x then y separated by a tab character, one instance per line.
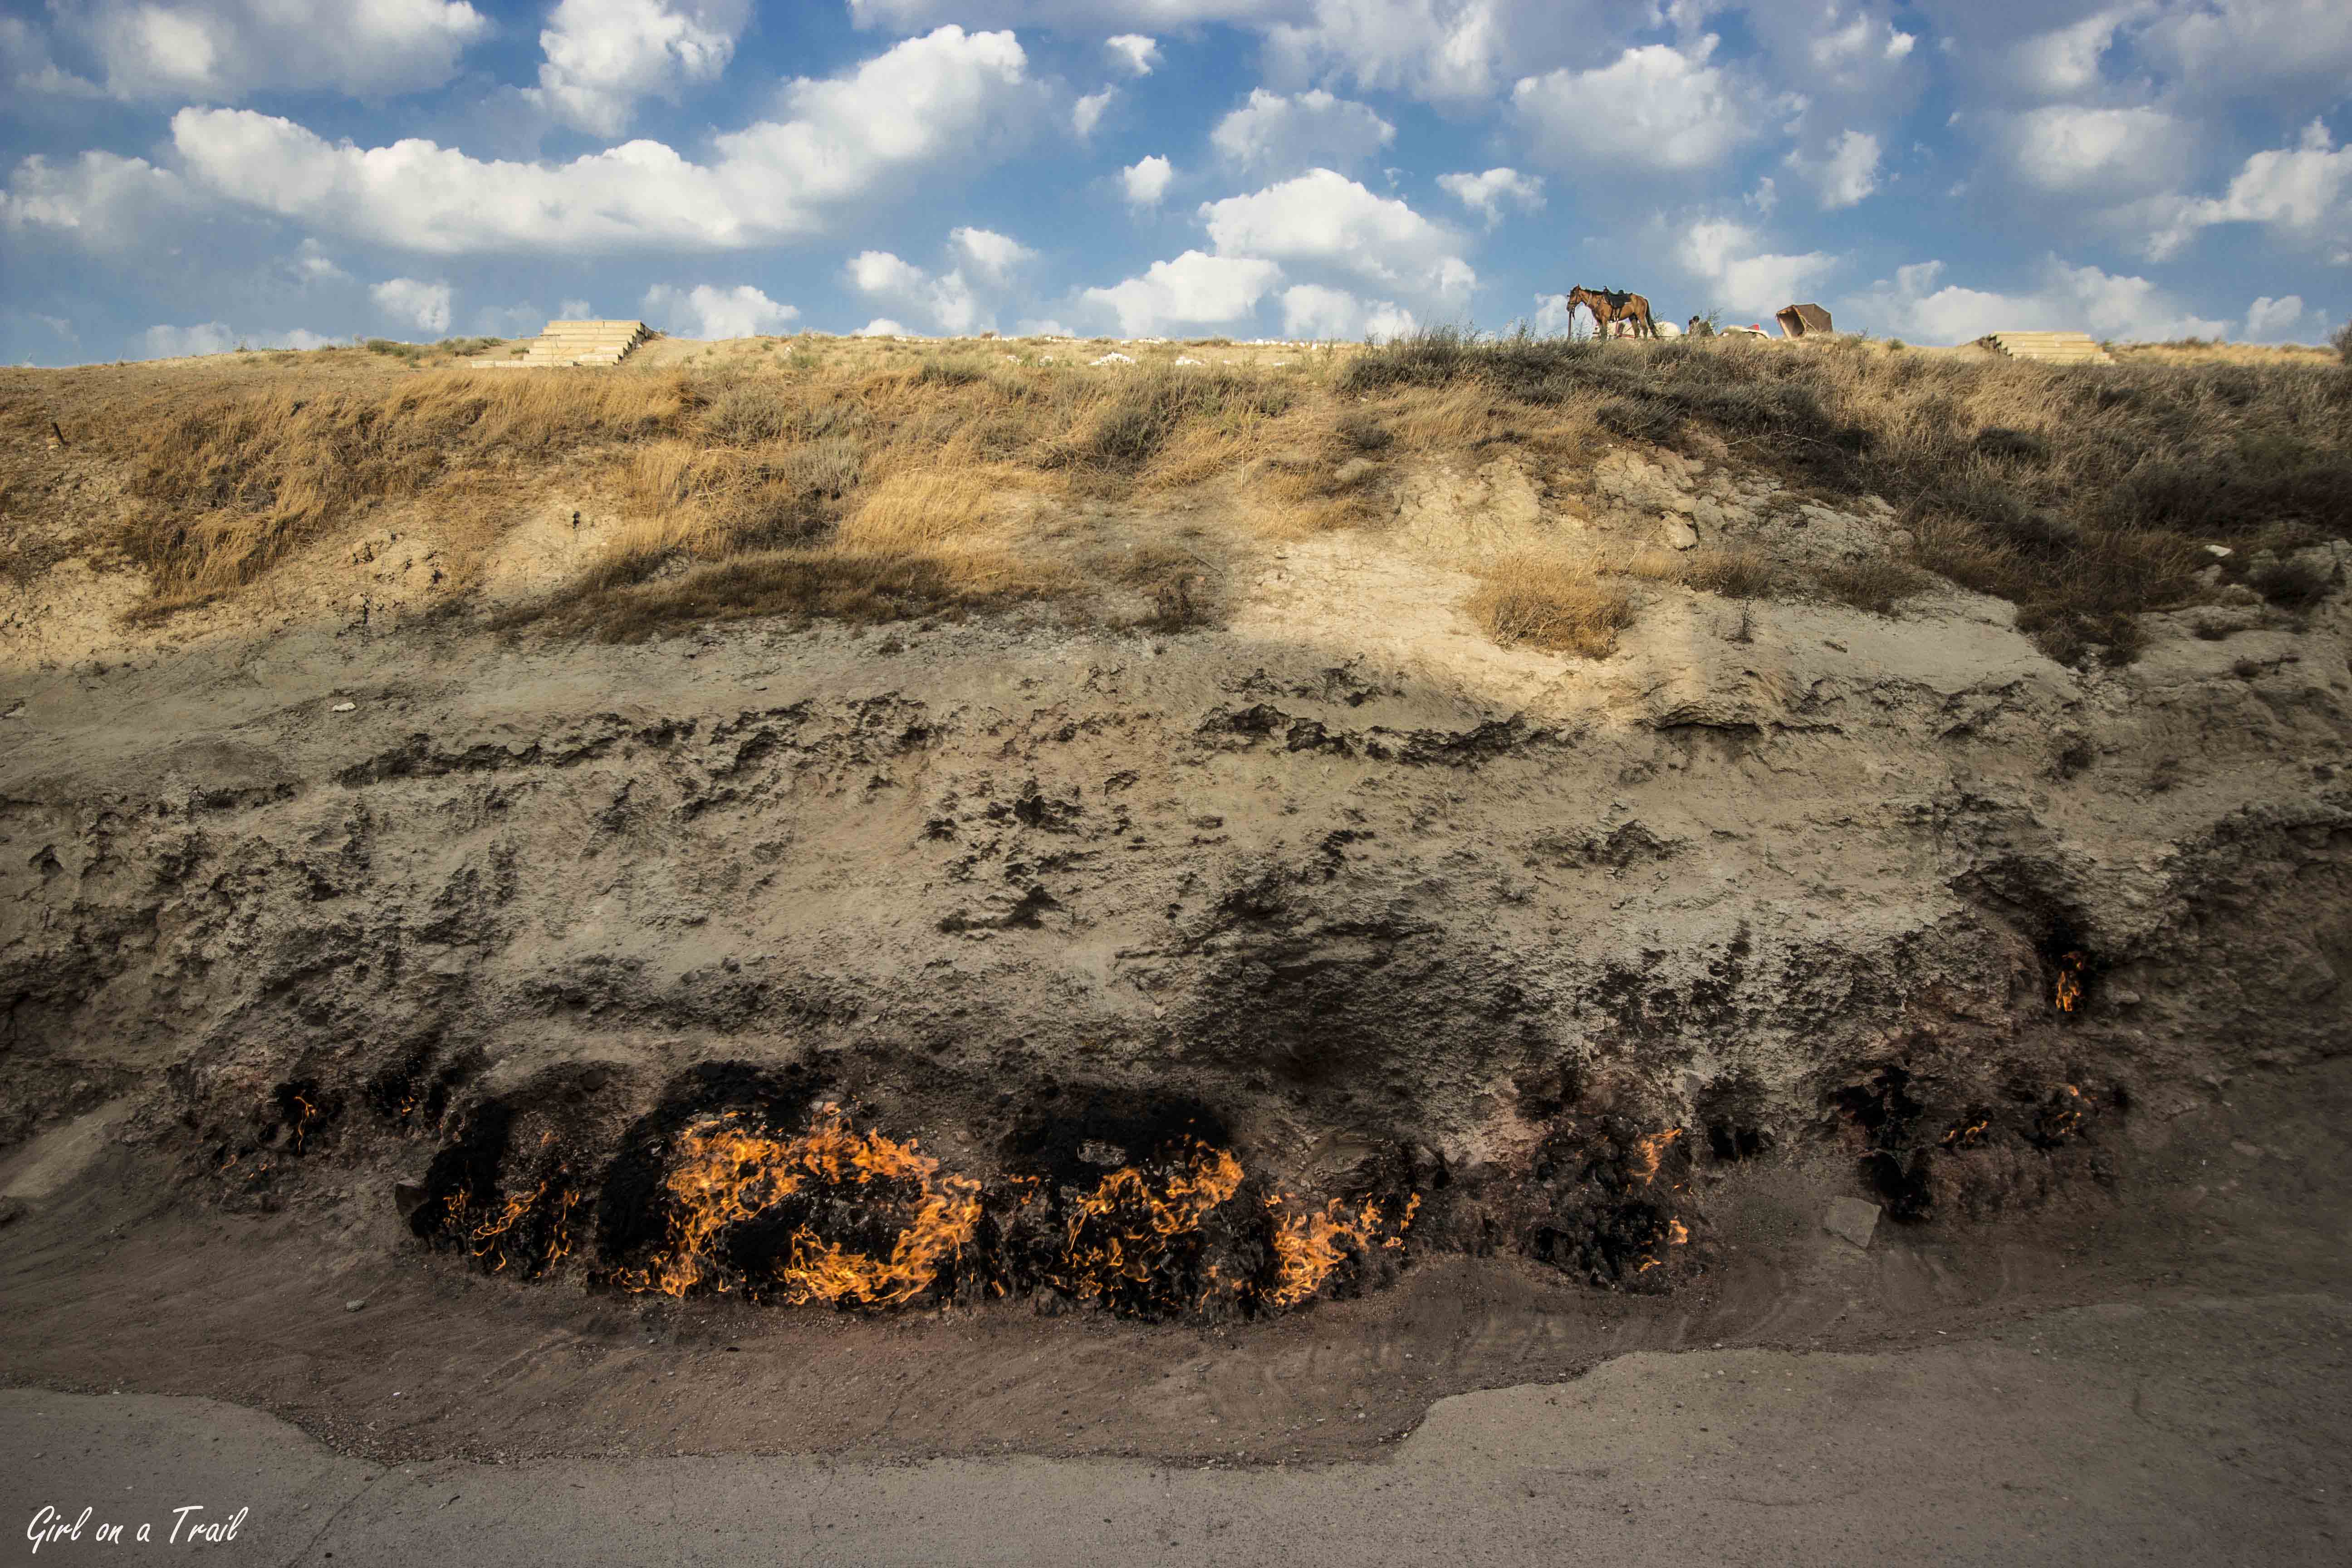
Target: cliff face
1341	886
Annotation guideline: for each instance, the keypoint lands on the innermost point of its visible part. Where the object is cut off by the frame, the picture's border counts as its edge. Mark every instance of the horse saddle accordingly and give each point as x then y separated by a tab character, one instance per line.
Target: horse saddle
1616	300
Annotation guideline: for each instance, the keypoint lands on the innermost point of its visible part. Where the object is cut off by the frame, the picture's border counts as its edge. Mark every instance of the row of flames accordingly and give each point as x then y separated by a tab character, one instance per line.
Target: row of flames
1114	1241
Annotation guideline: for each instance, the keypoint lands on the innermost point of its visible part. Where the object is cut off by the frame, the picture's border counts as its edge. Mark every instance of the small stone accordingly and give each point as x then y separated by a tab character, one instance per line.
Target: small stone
342	708
1353	469
1677	531
2218	552
354	1306
1852	1219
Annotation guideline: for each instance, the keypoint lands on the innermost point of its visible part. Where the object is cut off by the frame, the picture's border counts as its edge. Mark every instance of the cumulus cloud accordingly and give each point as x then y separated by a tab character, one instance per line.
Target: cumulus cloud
1845	174
311	264
1655	106
1194	289
881	327
222	50
1273	135
1488	193
2299	190
2225	45
2268	320
993	255
924	101
414	303
1134	52
948	299
2077	298
1312	311
1088	112
2063	59
707	311
1749	280
216	338
604	54
1145	181
2067	150
1442	50
98	201
1324	217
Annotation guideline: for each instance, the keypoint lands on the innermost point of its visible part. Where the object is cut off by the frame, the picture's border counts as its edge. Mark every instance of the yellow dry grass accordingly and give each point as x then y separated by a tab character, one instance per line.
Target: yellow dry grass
869	478
1551	602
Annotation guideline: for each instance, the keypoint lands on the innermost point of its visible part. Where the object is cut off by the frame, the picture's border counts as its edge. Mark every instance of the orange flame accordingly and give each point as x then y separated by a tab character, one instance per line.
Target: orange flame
2069	993
1308	1247
727	1173
1122	1229
1649	1152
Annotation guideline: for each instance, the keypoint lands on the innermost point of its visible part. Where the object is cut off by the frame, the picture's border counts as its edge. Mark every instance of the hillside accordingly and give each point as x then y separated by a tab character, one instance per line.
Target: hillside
1220	832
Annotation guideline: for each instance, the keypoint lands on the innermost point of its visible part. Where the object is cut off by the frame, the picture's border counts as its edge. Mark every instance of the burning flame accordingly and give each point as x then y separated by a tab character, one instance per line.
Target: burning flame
727	1173
1648	1151
1308	1247
2069	993
1967	1133
1118	1234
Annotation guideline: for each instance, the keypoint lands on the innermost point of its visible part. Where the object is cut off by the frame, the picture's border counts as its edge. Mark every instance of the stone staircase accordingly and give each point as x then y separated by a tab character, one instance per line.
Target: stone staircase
575	344
2053	348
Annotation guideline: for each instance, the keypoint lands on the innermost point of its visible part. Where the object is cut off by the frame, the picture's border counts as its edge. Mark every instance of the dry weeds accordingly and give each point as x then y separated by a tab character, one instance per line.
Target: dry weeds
862	477
1552	603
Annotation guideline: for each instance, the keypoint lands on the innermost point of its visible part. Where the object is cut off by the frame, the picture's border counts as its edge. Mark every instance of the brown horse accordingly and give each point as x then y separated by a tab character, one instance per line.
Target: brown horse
1608	305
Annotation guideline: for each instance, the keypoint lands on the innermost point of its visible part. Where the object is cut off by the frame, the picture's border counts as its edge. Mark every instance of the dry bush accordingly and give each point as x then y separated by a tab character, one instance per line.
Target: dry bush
2079	493
2293	582
1874	582
1551	603
224	490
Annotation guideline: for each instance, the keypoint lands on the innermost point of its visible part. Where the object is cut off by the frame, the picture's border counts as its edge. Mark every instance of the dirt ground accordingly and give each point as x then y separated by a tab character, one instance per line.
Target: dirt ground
2153	1373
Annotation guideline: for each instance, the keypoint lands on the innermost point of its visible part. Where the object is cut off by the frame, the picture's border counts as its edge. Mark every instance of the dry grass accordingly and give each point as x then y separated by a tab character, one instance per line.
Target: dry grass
1547	601
2080	493
862	477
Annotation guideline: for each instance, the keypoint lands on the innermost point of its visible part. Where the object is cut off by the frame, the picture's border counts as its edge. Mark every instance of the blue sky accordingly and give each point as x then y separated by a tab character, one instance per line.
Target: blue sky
185	175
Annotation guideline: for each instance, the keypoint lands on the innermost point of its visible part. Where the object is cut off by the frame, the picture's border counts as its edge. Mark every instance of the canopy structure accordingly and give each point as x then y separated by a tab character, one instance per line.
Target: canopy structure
1796	321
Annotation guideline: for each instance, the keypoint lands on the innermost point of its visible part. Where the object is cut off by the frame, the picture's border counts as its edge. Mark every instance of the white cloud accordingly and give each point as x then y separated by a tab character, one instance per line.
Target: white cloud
1489	193
2223	45
1846	174
98	201
414	303
311	264
708	311
2268	320
1193	290
604	54
1326	218
2064	59
1135	52
1272	135
881	327
215	338
2111	152
220	50
2300	190
1312	311
925	101
947	299
1657	106
2070	299
1088	112
1748	281
1145	181
993	255
1442	50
